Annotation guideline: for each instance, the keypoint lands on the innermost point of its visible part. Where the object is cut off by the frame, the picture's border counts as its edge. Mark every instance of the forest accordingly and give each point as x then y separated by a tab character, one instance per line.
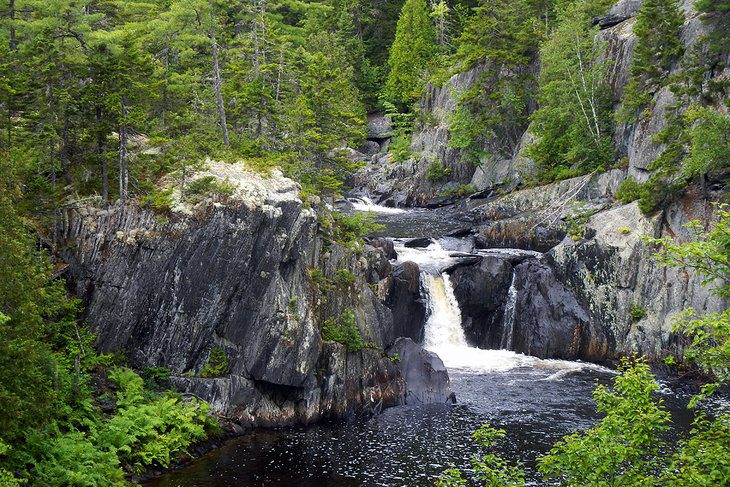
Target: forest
113	102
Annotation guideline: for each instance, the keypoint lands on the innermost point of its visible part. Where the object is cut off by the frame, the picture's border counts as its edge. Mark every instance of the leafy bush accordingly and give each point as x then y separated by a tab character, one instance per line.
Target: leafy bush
629	190
207	186
352	229
344	330
344	278
400	147
637	312
489	468
217	364
158	200
460	191
437	172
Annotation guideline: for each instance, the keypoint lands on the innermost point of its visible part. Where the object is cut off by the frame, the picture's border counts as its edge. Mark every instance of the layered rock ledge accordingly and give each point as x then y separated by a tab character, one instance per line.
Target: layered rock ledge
248	274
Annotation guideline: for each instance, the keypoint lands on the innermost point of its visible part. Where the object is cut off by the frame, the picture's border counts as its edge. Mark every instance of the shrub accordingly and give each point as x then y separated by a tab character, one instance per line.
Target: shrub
344	330
344	278
400	147
437	172
629	190
460	191
158	200
352	229
217	364
201	188
637	312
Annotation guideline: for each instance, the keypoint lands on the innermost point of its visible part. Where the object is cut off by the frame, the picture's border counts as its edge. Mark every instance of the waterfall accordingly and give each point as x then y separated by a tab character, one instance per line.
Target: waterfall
508	320
444	322
363	203
443	333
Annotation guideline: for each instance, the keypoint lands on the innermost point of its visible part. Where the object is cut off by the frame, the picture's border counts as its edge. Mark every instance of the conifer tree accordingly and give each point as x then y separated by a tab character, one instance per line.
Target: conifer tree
657	30
411	53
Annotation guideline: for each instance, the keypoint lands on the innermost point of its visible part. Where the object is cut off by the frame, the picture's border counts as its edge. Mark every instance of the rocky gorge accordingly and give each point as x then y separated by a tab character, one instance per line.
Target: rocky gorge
252	277
256	274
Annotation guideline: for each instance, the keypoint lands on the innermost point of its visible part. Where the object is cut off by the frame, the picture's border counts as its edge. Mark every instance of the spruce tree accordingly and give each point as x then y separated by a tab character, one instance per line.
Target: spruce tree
657	29
412	51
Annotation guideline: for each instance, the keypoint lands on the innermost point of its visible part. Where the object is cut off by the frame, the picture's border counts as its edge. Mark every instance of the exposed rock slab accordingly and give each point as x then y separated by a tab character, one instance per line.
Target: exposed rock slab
237	274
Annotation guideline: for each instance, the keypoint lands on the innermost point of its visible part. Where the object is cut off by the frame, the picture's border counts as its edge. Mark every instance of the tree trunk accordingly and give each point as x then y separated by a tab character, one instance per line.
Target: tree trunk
64	155
12	25
217	82
123	170
101	152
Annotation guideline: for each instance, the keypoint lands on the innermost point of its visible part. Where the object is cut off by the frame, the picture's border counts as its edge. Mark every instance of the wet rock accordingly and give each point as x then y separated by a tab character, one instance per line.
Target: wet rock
406	303
417	243
549	321
386	245
423	371
440	201
237	275
481	290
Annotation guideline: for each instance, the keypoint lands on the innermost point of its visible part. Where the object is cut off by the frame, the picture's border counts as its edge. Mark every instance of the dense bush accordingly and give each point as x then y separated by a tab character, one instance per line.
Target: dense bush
344	330
437	172
217	364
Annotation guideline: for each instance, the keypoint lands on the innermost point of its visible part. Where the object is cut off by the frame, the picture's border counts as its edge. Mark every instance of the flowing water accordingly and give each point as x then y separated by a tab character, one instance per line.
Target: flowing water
536	401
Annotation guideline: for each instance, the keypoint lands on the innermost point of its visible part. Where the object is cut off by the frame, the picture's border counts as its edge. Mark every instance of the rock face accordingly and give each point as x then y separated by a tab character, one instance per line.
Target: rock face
481	290
431	387
549	321
406	183
612	273
406	302
248	275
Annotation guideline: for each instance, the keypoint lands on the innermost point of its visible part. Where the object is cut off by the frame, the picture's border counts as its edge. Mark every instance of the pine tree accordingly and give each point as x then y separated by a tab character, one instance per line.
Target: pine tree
657	29
572	124
411	53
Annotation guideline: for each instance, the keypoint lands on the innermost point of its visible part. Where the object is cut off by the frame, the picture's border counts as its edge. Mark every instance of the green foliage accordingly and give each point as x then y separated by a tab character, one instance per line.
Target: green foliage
573	123
624	448
217	364
704	457
400	142
576	224
629	190
637	312
460	191
350	230
437	172
658	45
344	330
208	186
708	254
502	38
158	200
709	142
412	51
344	278
716	15
489	468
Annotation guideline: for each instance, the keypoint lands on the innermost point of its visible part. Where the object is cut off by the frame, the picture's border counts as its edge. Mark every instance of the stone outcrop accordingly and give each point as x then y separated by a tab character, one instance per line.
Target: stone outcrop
481	290
633	298
247	274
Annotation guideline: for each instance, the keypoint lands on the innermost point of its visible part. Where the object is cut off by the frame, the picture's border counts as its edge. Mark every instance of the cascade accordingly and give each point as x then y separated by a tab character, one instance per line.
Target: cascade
444	334
508	325
365	204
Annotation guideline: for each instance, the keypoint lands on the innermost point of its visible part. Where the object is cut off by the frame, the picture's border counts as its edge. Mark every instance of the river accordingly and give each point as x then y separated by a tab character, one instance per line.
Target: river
536	401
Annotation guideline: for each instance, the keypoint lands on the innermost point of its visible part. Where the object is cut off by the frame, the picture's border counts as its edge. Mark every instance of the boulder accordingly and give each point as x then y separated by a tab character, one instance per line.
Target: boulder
423	371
